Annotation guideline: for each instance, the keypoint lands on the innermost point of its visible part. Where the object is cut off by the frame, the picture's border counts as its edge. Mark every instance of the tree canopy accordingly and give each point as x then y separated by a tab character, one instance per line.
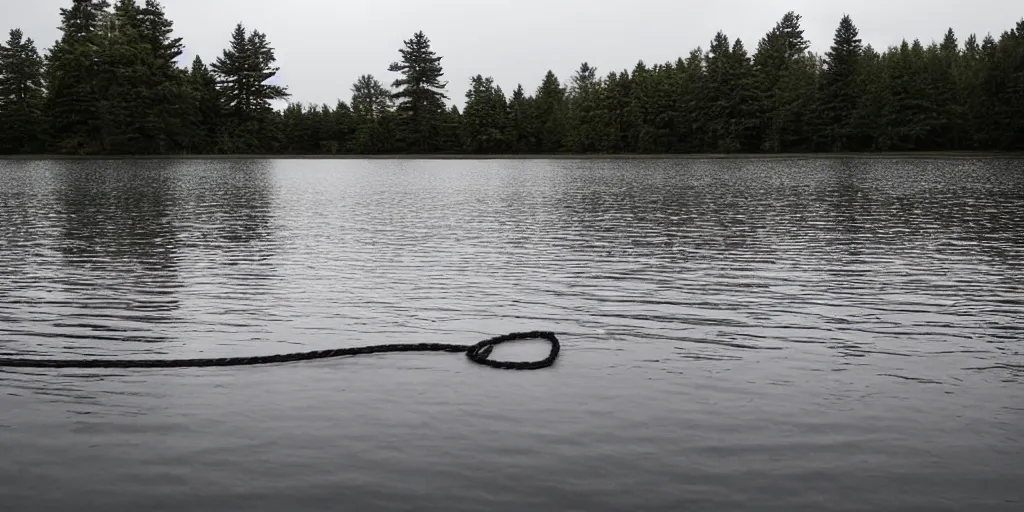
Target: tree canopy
113	84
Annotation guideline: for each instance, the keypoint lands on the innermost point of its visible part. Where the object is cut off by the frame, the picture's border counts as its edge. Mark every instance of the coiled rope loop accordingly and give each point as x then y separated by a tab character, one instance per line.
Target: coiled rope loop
478	353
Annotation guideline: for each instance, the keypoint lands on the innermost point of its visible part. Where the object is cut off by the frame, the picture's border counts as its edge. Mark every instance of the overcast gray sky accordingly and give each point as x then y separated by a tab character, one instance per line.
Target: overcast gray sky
323	45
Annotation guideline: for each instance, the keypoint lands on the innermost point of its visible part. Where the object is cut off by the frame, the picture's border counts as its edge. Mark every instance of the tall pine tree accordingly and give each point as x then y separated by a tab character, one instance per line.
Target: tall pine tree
483	121
243	72
843	88
145	94
421	99
73	71
778	53
21	95
549	115
203	118
373	116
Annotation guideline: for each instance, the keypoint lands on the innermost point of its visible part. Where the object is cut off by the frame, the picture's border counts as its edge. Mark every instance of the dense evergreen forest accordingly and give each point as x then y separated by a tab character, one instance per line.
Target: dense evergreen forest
112	85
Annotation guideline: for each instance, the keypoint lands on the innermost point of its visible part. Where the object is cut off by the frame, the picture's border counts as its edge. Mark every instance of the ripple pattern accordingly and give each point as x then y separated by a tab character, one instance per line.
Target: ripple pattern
890	291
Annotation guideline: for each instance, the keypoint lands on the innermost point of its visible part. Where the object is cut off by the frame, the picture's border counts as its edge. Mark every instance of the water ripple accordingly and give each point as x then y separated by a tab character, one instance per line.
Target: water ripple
913	261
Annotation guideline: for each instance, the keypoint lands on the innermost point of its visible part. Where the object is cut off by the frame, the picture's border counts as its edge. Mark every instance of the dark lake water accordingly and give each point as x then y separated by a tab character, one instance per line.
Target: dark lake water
830	335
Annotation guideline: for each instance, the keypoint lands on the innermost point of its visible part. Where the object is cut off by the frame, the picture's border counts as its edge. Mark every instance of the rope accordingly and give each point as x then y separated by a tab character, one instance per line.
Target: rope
477	353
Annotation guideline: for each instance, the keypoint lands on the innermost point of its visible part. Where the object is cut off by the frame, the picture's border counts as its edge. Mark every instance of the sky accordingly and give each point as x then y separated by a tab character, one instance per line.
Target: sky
322	46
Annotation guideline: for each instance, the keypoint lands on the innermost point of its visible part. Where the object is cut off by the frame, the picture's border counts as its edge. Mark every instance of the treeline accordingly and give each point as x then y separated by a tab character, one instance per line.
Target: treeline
111	85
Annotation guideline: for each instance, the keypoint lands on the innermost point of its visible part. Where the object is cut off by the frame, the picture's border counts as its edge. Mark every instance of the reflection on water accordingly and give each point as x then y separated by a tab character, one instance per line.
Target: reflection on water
755	335
96	250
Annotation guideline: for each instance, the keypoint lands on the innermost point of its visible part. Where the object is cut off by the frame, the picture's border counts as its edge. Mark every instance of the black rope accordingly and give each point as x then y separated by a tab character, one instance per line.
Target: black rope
477	353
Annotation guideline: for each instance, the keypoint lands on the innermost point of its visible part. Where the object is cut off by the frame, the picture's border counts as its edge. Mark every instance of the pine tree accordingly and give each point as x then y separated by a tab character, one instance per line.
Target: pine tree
777	54
73	68
21	95
614	108
549	115
373	116
691	119
944	66
719	96
518	127
641	131
204	117
483	120
449	135
145	95
583	111
800	92
243	72
1004	82
342	127
842	87
421	99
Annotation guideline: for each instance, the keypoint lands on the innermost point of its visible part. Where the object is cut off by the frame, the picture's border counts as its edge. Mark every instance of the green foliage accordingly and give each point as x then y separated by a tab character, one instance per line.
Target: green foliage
203	115
112	85
21	95
548	120
842	88
73	78
373	116
421	106
143	91
249	122
485	118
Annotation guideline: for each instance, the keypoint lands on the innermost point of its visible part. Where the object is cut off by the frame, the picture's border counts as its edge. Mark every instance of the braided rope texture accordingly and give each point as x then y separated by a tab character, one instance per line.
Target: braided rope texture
478	353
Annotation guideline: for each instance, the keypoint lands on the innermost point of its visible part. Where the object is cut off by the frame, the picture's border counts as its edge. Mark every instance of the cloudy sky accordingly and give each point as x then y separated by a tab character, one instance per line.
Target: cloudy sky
323	45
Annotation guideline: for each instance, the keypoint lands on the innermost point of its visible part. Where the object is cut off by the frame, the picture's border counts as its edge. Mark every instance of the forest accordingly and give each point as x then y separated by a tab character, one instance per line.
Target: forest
112	85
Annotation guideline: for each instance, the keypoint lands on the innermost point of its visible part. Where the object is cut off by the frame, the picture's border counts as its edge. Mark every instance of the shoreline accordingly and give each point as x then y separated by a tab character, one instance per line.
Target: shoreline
556	156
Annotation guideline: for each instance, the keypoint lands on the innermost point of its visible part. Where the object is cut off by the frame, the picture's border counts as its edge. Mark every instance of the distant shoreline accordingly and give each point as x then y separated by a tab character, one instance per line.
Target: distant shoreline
556	156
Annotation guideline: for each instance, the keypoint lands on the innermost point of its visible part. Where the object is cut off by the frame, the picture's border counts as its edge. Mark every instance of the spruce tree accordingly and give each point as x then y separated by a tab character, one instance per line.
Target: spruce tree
842	88
21	95
420	94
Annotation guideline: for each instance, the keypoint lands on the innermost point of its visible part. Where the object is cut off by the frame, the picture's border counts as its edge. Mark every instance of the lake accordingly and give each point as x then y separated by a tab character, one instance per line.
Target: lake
831	335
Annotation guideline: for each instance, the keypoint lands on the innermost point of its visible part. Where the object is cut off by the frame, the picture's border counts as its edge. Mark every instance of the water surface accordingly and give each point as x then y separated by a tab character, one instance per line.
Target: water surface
737	335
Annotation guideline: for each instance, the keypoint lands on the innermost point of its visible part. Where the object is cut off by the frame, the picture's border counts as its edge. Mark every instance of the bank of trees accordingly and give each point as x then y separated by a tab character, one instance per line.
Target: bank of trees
112	85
